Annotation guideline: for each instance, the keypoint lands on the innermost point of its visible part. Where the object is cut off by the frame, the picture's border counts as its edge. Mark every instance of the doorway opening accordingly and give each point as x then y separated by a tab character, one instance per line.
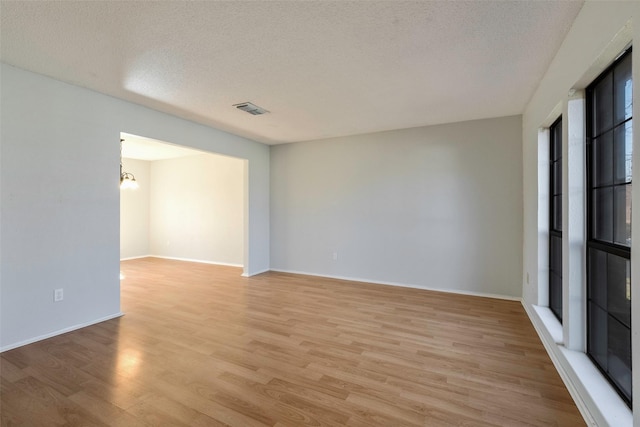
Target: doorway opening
190	204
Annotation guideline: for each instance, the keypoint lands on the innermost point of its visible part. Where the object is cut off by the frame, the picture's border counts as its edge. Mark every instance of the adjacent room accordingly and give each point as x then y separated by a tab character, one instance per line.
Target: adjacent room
186	205
385	213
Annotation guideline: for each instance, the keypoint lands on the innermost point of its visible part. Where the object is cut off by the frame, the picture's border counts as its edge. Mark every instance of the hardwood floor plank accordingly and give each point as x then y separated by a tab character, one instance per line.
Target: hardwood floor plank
54	407
105	411
157	409
9	371
202	399
391	409
202	346
17	407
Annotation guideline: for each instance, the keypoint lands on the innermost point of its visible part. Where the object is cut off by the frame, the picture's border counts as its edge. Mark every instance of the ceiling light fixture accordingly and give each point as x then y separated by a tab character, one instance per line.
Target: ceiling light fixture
127	180
250	108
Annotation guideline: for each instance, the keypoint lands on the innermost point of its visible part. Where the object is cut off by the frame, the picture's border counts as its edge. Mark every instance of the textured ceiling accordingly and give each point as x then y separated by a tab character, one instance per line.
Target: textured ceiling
322	68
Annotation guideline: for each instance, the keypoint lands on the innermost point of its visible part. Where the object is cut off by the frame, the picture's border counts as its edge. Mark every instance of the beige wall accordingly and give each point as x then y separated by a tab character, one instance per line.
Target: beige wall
134	211
197	209
188	208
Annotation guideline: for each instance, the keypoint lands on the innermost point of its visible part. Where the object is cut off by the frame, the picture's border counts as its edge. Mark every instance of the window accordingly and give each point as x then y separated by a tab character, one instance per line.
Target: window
609	165
555	219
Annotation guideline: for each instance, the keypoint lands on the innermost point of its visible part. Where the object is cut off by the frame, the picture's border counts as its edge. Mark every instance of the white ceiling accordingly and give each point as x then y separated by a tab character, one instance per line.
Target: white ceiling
322	68
142	148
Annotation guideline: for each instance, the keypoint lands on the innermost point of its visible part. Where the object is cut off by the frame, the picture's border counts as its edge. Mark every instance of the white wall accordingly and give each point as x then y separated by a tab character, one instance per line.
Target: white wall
60	199
134	211
197	208
434	207
599	33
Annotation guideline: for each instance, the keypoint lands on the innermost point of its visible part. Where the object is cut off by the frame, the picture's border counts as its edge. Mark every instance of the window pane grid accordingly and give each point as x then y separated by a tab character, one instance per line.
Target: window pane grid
609	178
555	219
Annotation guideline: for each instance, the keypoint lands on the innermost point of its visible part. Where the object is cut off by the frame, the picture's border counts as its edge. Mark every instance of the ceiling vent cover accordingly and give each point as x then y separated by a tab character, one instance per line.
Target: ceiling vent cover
250	108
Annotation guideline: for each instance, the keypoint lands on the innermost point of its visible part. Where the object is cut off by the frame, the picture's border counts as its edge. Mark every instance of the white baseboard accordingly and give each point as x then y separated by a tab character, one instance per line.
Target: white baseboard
403	285
134	257
596	400
59	332
226	264
255	273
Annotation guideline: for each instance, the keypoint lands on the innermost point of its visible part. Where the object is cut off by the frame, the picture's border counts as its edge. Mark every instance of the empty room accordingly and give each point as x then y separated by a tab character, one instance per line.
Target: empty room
372	213
184	204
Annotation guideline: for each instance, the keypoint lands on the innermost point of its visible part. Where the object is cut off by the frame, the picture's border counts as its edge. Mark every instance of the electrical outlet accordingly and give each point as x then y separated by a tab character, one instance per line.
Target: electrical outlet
58	295
335	256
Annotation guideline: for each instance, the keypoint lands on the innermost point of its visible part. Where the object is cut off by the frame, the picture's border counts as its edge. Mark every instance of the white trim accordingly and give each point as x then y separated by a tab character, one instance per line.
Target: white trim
226	264
551	323
542	272
135	257
596	400
403	285
549	342
59	332
256	273
574	239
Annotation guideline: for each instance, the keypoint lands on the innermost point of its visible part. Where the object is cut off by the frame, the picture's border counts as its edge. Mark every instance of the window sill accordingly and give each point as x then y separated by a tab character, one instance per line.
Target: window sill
596	399
551	322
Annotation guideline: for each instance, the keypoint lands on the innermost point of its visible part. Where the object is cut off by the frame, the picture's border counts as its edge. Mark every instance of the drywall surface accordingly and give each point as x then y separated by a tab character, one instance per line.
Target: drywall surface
197	208
60	199
134	211
434	207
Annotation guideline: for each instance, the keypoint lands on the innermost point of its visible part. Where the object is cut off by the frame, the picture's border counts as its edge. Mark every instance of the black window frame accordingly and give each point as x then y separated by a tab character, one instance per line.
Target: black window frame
596	248
555	211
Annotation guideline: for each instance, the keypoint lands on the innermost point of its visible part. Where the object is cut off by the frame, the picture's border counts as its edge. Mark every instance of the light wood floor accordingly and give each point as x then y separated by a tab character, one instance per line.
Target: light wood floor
201	346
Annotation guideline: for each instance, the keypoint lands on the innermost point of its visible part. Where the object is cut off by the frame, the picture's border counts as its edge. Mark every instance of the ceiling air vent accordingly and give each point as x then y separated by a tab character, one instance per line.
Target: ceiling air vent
250	108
